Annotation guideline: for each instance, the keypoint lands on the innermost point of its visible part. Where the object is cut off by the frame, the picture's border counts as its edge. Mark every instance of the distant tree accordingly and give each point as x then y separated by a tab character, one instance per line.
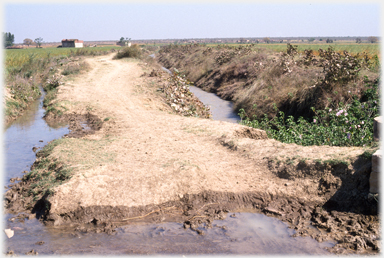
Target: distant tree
267	40
372	39
311	39
9	38
358	40
38	41
124	41
329	41
320	39
28	42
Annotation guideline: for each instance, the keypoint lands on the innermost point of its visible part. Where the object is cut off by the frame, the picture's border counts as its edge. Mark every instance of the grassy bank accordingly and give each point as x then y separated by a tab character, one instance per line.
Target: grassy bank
27	69
267	85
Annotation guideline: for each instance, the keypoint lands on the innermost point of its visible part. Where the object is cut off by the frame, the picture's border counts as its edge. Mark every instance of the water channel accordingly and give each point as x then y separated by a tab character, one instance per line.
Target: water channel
245	233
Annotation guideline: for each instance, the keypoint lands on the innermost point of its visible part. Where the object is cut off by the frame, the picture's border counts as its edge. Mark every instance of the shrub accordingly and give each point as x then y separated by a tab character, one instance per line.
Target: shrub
133	52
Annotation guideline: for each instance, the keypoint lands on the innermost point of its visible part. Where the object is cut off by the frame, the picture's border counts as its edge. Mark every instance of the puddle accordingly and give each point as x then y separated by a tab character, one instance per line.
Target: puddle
247	233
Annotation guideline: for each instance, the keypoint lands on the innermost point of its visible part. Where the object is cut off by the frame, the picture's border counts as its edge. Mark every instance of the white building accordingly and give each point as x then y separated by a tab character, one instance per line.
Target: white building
72	43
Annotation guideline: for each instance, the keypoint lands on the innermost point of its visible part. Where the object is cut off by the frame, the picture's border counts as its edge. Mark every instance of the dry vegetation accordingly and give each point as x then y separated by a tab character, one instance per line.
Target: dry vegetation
264	82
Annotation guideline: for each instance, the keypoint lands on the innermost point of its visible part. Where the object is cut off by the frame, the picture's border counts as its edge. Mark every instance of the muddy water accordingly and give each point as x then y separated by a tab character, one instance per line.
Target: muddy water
28	131
221	109
244	233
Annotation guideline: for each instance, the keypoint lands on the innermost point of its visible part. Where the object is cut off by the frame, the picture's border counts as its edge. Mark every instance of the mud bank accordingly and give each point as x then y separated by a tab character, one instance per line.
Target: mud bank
166	167
354	233
349	215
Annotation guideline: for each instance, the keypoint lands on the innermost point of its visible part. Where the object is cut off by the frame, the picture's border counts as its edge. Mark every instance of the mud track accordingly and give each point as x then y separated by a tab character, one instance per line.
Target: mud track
142	162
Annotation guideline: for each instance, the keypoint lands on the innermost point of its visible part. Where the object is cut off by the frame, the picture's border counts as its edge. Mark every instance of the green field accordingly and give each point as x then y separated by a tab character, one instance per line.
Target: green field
18	57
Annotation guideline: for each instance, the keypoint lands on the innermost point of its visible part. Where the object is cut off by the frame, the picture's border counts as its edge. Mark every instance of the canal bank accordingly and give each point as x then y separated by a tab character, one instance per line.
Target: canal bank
147	163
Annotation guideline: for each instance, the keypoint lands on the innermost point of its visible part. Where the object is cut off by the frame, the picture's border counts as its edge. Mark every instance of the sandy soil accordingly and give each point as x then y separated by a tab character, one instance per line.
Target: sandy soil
144	155
161	156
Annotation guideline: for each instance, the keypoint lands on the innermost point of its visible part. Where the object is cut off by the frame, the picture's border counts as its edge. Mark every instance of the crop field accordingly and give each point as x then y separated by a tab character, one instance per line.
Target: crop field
372	50
18	57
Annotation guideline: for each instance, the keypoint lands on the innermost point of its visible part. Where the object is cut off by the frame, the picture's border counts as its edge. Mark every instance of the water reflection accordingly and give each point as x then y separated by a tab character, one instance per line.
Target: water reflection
28	131
247	233
222	110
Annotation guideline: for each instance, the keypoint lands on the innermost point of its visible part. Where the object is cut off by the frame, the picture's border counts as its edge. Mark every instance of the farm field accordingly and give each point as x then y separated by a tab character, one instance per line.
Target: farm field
353	48
18	57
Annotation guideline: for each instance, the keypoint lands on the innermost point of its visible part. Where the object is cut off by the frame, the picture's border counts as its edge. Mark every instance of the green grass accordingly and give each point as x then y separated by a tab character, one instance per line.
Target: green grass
18	57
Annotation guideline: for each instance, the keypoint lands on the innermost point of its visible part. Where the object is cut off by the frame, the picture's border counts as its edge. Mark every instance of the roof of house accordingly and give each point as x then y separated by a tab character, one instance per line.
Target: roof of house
72	40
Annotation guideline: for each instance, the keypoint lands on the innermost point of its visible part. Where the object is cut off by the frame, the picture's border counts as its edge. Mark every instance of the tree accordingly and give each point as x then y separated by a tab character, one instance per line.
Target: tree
372	39
38	41
267	40
329	41
9	38
124	41
311	39
358	40
28	41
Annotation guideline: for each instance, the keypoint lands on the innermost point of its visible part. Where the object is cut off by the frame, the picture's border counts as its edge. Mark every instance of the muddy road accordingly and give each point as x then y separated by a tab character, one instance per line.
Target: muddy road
132	159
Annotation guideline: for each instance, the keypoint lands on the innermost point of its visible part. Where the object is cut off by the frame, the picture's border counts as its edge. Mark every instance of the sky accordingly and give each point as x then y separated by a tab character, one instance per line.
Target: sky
175	20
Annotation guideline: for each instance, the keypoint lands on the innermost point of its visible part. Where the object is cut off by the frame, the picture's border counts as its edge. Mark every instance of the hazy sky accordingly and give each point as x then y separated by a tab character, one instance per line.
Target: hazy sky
101	21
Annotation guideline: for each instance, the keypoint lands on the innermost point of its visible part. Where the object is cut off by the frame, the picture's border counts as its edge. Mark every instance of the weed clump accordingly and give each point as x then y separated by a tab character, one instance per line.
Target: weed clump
129	52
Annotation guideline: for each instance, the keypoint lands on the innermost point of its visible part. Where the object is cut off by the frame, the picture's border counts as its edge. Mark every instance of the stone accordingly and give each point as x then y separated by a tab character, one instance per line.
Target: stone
377	128
9	232
374	178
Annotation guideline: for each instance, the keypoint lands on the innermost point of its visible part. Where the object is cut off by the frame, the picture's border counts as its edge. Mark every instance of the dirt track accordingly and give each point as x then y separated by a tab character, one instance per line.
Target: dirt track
144	156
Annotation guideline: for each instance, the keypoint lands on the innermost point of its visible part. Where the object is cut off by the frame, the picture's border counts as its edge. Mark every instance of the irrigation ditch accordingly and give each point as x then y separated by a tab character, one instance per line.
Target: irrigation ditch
338	215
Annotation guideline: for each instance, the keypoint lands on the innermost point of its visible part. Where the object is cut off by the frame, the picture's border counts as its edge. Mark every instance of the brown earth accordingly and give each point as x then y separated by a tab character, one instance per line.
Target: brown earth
137	160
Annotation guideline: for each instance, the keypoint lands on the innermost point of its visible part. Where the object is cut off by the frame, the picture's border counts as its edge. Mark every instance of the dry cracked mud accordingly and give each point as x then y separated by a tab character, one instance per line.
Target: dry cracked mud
133	159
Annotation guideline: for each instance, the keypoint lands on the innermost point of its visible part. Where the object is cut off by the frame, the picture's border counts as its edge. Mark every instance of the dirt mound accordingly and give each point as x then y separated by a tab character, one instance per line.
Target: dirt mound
251	133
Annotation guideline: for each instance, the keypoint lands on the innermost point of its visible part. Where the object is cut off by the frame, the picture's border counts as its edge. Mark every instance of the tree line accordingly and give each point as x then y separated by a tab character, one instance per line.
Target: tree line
9	40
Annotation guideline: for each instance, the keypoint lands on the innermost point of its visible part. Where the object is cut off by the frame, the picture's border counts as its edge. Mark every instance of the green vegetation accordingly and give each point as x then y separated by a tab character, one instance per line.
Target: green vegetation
27	69
46	173
8	39
351	124
17	57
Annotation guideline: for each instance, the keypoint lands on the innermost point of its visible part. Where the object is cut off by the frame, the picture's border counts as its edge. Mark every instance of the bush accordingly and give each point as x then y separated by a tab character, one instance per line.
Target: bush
131	52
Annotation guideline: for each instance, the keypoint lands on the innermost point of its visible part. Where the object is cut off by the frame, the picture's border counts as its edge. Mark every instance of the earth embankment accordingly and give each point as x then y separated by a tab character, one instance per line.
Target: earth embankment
143	158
